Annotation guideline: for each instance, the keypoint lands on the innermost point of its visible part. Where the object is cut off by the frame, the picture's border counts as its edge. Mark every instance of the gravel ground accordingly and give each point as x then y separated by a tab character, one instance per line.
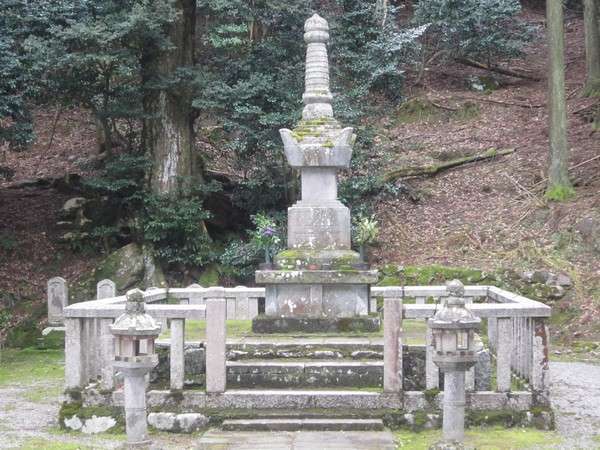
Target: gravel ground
575	394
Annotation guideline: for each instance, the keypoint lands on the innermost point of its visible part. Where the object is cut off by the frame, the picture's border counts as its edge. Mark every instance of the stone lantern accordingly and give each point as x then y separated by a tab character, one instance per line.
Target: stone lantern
453	328
135	332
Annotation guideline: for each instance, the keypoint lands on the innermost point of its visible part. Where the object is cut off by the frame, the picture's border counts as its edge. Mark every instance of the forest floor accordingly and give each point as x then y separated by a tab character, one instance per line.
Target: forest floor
486	215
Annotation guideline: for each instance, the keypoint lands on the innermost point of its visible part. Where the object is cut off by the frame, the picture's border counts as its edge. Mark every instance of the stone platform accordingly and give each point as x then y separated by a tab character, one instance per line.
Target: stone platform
313	301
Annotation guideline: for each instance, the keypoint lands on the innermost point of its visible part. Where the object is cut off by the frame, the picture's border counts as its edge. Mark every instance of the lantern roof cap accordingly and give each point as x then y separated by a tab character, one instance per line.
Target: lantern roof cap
135	321
453	313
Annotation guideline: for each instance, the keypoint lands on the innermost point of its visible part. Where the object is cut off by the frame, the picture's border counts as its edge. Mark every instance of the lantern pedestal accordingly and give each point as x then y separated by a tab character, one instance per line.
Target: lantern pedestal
134	374
454	406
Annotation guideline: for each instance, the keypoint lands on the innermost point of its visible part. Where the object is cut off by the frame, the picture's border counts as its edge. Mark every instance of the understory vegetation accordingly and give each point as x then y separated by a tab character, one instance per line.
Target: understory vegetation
431	88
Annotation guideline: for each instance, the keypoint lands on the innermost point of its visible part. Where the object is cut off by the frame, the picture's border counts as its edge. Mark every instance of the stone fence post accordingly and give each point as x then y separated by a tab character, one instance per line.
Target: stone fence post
216	334
540	374
106	289
392	344
58	299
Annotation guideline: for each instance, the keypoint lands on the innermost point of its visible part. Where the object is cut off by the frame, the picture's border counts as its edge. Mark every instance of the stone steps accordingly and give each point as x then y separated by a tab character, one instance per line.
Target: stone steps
296	361
310	373
302	424
306	348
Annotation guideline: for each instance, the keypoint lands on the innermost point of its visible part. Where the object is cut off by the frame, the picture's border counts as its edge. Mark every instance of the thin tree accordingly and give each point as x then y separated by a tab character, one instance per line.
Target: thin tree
592	47
559	187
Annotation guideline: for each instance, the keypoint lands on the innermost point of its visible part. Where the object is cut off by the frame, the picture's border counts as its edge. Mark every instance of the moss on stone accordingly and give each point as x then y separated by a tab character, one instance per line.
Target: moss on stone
292	259
502	417
420	419
431	394
433	274
70	409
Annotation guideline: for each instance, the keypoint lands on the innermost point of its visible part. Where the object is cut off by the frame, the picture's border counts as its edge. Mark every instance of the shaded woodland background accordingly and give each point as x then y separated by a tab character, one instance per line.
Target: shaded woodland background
99	98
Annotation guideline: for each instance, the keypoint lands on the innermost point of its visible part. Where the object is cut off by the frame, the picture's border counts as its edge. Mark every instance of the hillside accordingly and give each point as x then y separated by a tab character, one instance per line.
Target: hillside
489	215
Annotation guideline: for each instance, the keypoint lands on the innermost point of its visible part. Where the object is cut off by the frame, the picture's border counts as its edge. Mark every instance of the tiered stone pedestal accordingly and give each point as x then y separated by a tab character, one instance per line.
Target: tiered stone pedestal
314	301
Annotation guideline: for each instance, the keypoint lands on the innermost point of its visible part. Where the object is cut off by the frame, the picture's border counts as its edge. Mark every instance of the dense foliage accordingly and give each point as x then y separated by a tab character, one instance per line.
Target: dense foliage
253	74
485	30
246	83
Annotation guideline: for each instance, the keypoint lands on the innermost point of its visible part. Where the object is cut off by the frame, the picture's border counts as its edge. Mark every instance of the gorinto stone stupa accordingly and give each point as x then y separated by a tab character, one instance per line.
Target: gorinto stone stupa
318	283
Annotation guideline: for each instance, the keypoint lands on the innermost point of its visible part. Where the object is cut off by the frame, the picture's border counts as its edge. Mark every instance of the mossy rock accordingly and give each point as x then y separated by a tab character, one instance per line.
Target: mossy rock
483	83
394	275
70	409
128	267
210	276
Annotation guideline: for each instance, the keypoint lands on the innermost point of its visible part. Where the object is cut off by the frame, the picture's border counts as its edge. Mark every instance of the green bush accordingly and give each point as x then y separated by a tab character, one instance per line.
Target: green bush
176	230
240	259
485	30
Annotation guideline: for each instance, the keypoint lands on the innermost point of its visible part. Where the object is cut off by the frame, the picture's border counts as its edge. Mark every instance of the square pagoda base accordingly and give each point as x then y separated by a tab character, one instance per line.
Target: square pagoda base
316	300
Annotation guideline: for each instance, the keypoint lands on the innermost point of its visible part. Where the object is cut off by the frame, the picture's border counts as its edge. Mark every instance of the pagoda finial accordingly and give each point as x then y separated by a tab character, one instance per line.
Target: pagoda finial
317	97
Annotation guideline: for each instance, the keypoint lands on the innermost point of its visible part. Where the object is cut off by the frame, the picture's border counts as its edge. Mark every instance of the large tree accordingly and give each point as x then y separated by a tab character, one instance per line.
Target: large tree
168	131
592	46
559	185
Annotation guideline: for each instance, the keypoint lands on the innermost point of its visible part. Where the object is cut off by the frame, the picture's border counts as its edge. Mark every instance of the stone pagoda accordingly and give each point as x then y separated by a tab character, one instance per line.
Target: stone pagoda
318	283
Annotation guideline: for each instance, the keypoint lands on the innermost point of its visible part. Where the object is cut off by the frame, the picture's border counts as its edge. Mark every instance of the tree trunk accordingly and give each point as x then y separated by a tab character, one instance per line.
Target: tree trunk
559	186
103	135
168	125
592	46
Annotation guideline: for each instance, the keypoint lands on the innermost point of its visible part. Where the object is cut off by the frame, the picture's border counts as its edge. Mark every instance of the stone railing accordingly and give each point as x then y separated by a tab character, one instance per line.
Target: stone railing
516	334
89	344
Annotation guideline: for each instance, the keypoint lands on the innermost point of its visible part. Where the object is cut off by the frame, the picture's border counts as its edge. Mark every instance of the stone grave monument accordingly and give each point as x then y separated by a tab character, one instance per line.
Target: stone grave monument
318	283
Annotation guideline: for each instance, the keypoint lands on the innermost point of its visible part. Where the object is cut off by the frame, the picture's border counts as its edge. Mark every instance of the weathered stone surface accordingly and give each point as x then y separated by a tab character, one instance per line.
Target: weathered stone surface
58	299
589	230
323	350
265	324
309	277
106	289
292	424
97	425
74	423
315	225
316	300
315	374
163	421
216	311
191	422
324	259
483	371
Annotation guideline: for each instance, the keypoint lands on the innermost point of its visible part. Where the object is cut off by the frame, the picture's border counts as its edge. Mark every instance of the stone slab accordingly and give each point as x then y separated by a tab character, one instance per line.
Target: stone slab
319	225
317	276
410	401
282	374
303	440
301	424
365	324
